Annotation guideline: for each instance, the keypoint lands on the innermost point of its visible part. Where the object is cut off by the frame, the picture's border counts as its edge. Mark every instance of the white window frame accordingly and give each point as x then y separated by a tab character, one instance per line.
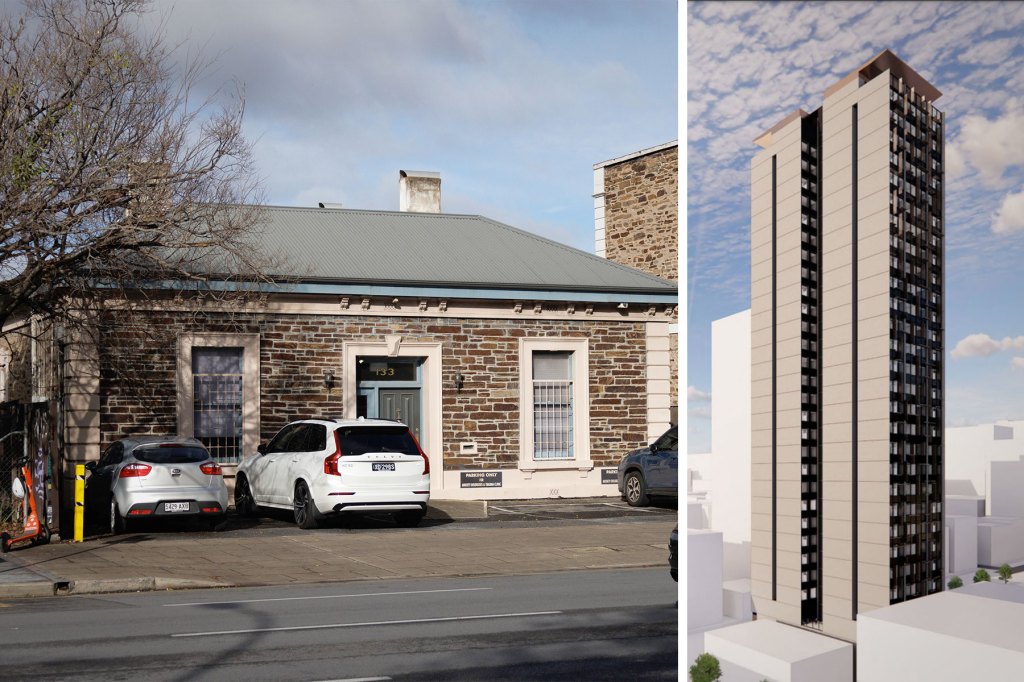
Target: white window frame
250	345
580	349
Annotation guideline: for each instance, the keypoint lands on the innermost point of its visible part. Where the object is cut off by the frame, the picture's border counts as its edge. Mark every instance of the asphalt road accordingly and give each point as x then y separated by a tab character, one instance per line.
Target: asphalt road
271	522
581	625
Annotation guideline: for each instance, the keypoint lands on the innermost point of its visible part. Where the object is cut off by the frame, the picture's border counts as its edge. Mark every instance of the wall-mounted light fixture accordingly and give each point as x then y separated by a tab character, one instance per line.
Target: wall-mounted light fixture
329	379
460	381
623	306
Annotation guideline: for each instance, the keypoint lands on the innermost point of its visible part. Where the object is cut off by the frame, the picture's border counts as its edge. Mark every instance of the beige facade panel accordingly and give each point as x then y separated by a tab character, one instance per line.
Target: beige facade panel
761	322
873	212
839	513
761	278
869	410
873	286
875	533
761	421
835	373
787	436
837	339
873	450
836	394
875	470
872	137
869	186
873	429
761	372
873	266
872	364
761	355
838	469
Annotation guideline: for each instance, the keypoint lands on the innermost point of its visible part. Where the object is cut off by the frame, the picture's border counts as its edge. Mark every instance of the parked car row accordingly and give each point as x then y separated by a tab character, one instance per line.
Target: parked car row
317	468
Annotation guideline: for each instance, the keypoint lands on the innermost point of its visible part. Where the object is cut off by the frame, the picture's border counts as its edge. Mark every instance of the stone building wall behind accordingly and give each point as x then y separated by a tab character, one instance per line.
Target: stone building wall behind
641	219
641	213
296	349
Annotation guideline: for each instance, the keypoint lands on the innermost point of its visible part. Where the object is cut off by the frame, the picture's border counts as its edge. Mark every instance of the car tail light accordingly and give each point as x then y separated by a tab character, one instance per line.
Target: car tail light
140	512
135	470
331	461
211	469
426	460
211	510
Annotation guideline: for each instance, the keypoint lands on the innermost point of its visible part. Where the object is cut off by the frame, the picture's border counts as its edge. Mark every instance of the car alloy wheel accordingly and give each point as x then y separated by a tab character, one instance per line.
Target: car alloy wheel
636	495
117	522
305	510
245	504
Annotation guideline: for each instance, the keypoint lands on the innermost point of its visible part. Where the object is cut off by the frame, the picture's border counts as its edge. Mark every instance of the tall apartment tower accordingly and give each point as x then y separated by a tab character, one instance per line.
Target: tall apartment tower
847	352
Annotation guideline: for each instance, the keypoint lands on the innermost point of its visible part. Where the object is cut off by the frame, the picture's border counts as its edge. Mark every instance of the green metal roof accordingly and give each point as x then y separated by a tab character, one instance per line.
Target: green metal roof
332	245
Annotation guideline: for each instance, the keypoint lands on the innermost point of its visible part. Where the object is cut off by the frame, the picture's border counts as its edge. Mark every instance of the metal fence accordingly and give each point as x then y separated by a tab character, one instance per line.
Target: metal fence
12	451
28	433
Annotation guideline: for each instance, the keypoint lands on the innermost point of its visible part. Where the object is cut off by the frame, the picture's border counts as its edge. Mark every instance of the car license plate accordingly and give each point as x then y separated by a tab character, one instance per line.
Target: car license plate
383	466
175	506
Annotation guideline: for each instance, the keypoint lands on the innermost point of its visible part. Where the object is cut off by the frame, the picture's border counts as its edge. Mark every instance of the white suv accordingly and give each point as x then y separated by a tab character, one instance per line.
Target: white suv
324	467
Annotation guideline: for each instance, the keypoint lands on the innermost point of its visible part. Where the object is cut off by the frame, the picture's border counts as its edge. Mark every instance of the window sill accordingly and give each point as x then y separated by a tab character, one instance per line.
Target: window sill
562	464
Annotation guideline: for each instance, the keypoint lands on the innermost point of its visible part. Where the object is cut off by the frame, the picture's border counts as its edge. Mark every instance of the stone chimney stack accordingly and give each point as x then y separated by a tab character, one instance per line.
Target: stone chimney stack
419	191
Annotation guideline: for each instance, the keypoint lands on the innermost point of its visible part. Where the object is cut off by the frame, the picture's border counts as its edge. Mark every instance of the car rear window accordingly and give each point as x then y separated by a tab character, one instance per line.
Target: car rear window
171	454
358	440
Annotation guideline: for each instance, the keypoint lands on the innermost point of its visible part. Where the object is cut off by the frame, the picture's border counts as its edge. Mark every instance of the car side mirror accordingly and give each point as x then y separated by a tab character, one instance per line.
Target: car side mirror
261	448
654	448
90	466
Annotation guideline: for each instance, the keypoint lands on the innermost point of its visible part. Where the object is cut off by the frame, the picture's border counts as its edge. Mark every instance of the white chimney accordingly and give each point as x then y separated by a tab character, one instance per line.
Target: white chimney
419	191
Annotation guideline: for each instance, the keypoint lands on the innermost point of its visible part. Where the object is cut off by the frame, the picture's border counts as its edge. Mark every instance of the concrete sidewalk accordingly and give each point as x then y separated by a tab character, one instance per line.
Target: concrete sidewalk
141	562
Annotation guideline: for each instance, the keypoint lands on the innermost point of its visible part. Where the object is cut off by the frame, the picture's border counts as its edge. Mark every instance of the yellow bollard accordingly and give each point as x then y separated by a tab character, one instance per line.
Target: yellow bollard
79	502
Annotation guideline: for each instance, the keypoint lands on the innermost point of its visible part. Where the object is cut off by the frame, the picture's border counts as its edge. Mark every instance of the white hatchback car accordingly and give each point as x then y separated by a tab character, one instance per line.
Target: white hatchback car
329	467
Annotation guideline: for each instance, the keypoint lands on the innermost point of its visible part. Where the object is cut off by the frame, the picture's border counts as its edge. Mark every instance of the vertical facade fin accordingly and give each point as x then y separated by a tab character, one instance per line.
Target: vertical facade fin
853	350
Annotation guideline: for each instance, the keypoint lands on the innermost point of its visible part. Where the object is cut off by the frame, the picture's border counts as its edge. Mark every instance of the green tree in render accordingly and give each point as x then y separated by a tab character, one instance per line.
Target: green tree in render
982	576
1005	573
955	582
705	669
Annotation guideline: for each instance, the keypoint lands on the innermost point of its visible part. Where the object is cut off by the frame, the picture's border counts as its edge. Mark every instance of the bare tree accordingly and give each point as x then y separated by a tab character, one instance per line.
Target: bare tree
113	181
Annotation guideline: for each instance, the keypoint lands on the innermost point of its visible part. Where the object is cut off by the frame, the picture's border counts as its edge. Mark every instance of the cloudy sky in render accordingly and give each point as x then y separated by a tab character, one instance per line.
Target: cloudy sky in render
511	101
749	65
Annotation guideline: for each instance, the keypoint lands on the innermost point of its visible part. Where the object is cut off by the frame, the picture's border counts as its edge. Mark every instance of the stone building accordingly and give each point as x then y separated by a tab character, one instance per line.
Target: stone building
636	221
525	367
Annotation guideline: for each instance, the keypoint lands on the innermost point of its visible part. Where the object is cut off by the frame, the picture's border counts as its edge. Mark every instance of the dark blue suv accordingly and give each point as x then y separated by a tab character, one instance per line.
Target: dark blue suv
651	471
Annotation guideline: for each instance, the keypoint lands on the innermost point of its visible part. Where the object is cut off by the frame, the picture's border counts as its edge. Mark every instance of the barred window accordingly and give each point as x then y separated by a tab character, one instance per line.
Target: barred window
217	400
552	405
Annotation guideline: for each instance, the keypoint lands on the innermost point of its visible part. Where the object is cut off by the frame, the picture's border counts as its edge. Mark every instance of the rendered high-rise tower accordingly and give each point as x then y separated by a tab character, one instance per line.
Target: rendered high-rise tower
847	352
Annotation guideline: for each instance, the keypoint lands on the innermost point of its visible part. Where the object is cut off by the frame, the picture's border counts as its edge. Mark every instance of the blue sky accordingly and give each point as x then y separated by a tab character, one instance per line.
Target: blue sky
750	64
511	101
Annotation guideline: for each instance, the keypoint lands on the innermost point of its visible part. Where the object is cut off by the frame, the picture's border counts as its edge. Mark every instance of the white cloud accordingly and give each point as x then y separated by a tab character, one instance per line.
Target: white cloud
983	345
989	52
955	165
694	394
993	146
1010	216
1017	362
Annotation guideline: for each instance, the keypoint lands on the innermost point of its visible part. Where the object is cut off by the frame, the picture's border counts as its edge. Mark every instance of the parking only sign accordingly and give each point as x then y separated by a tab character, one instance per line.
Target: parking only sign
481	479
609	476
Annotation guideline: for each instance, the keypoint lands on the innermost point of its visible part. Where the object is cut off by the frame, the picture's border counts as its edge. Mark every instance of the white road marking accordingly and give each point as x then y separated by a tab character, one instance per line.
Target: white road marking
330	596
332	626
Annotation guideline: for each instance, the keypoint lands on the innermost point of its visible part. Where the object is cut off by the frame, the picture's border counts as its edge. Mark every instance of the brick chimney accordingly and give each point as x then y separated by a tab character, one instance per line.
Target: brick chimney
419	191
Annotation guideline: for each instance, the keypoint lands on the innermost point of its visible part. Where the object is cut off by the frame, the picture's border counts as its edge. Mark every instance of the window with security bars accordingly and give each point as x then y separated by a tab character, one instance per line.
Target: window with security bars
552	405
217	401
